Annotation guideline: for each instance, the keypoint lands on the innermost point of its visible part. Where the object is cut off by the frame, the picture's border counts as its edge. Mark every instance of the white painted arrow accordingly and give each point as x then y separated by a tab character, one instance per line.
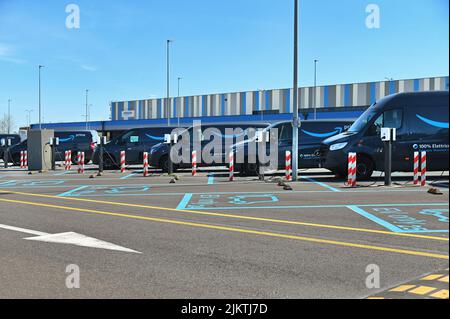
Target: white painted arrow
69	238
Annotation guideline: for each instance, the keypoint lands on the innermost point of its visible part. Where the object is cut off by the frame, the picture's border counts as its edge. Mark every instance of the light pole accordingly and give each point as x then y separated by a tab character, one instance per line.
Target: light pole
40	108
9	116
295	121
28	117
168	82
178	107
315	89
87	109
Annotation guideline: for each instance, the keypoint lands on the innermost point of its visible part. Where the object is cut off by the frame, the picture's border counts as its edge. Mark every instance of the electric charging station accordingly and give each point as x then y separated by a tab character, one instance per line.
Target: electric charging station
388	135
40	152
170	140
261	137
54	142
100	159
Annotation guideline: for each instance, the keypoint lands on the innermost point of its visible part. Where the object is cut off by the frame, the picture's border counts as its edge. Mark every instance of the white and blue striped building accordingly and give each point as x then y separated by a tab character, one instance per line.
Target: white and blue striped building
342	101
330	101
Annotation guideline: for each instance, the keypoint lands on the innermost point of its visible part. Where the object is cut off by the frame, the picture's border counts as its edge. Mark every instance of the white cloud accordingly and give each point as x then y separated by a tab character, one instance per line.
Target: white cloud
7	54
88	68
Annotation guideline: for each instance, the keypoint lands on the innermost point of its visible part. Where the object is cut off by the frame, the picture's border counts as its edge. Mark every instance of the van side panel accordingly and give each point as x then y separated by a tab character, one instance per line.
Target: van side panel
428	129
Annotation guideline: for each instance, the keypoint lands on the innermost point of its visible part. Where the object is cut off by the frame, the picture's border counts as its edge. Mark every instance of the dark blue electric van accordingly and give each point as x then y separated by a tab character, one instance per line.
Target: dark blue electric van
14	138
75	141
134	142
421	120
311	135
208	133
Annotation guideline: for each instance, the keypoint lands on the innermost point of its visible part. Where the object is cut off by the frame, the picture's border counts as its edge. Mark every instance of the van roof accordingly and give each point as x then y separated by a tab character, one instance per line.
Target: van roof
416	98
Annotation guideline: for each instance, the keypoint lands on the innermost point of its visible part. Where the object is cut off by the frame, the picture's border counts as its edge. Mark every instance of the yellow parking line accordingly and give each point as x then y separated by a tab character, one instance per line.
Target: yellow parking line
235	230
278	221
422	290
441	294
432	277
445	279
402	288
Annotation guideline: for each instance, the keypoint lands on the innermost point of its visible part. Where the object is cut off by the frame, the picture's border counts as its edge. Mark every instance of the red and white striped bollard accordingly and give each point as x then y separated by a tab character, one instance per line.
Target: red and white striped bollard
122	161
69	163
352	169
22	165
423	173
416	168
145	164
288	166
231	163
194	163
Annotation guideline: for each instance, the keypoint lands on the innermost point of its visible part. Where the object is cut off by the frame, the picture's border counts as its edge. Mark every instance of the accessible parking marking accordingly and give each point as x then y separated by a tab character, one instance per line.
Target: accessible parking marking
407	219
243	217
237	230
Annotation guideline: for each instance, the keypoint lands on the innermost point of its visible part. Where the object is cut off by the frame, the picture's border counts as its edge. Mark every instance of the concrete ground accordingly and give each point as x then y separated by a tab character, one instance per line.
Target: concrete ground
206	237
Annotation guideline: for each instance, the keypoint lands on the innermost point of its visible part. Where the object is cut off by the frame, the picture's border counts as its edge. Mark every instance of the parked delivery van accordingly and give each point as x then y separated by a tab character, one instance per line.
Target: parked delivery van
422	123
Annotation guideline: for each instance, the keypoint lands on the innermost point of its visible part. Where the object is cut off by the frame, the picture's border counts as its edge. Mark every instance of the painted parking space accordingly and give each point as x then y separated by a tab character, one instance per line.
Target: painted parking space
108	190
408	219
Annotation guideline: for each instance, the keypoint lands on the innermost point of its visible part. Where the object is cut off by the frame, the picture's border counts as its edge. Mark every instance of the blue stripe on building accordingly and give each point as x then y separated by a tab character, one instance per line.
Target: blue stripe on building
416	85
204	105
287	97
159	109
222	105
268	101
373	93
392	87
446	84
186	107
325	97
244	102
347	94
256	102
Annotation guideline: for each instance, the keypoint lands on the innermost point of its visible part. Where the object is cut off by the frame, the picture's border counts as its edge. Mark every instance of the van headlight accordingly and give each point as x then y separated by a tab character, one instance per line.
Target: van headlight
337	147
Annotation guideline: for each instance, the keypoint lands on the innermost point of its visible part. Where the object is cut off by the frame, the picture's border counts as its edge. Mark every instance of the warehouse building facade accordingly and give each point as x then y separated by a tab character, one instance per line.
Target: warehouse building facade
347	98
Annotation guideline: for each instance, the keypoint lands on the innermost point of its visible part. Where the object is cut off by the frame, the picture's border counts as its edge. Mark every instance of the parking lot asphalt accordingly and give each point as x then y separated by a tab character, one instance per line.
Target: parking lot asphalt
206	237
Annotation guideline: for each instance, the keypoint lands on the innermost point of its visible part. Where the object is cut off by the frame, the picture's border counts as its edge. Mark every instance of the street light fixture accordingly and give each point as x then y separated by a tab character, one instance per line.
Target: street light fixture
168	82
178	106
40	108
295	120
315	89
29	117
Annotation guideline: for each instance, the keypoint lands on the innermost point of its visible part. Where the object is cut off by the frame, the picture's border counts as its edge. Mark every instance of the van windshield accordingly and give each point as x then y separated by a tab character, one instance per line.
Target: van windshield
363	120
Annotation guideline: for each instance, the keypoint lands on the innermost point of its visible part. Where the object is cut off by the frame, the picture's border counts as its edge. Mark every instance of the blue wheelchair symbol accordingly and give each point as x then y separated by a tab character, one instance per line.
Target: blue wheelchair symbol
438	213
243	200
127	189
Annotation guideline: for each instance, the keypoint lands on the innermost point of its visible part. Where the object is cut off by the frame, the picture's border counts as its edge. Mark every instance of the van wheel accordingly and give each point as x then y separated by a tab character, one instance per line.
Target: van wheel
364	168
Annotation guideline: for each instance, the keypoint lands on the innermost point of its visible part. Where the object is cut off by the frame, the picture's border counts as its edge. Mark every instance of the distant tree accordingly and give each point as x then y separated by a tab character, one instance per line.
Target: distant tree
4	124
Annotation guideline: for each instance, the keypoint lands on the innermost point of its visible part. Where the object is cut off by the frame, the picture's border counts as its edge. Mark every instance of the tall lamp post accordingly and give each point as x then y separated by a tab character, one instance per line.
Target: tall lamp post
28	117
315	88
40	108
168	83
295	121
178	95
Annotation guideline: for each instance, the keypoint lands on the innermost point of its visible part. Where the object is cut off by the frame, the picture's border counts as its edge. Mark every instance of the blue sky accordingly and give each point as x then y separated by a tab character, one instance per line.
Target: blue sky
220	46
